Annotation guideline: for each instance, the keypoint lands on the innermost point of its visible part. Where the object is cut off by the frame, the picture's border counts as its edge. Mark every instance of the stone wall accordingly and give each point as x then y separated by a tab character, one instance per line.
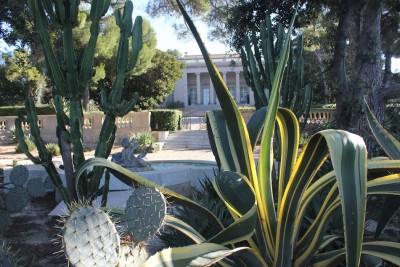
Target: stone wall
133	122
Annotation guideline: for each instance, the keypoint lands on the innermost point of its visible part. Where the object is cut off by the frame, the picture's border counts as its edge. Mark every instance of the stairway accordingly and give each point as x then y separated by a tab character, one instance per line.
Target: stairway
187	140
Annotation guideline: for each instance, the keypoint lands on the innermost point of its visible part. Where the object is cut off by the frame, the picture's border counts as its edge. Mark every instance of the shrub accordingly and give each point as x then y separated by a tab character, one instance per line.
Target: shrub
29	143
53	148
14	110
165	120
175	105
144	139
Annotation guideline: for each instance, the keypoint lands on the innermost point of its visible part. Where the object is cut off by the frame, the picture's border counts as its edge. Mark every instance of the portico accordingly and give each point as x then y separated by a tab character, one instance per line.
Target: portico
196	88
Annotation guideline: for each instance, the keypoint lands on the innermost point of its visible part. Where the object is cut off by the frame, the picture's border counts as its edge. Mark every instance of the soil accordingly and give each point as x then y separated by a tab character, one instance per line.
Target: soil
33	234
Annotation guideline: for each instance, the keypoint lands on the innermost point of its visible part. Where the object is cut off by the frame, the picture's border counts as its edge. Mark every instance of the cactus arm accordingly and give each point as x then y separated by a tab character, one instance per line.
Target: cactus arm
20	137
98	9
42	26
257	56
137	43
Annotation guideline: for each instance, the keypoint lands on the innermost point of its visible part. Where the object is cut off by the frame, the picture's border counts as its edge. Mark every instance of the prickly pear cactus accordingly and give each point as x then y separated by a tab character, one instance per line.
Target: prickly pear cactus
5	221
36	187
16	199
132	256
49	183
144	213
19	175
89	238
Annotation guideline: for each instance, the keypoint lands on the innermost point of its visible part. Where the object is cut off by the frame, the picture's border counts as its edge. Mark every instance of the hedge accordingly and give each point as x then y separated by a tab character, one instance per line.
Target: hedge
13	110
165	119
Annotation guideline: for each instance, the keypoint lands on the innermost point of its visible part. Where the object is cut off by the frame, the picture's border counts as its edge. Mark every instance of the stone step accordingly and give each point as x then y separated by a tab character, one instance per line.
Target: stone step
196	139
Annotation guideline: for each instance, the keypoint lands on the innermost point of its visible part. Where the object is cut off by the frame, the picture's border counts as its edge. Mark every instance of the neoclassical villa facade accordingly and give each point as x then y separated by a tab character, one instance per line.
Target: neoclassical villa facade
195	87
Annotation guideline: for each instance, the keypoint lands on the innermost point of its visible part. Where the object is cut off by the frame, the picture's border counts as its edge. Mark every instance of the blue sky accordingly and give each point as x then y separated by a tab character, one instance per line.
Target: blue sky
167	39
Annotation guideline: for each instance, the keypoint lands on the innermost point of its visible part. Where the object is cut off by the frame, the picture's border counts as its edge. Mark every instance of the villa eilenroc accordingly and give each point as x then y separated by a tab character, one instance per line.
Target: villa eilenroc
195	87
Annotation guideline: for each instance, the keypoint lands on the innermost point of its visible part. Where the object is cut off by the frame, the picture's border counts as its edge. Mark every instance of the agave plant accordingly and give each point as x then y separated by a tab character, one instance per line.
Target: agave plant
392	149
265	231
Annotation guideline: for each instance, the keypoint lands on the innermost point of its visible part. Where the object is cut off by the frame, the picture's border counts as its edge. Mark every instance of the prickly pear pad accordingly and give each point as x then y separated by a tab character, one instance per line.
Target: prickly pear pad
145	212
19	175
90	239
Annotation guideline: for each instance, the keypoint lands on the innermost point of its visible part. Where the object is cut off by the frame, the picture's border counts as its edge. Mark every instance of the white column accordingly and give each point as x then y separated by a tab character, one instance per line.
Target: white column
198	88
237	89
185	89
224	76
212	97
251	93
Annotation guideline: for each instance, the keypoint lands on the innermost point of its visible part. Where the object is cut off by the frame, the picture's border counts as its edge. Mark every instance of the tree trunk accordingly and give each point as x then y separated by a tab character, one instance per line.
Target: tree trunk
343	97
367	72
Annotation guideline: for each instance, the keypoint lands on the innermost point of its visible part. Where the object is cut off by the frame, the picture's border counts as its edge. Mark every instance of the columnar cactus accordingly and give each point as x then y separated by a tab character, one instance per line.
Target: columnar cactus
259	59
71	73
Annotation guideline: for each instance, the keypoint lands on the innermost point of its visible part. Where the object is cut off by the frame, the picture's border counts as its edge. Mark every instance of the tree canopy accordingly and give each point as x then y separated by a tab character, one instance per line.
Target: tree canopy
156	83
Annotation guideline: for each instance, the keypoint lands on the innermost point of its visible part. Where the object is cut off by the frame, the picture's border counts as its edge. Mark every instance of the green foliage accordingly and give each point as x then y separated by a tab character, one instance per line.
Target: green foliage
154	85
29	143
15	110
165	120
18	68
14	163
11	93
175	105
54	149
144	139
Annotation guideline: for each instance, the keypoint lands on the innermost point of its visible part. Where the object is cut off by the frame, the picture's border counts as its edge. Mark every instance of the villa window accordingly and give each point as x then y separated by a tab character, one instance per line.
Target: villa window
244	95
192	96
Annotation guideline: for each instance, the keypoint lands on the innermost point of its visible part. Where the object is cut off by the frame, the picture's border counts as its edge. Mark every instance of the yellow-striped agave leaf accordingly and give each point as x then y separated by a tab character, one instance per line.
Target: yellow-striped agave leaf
349	158
386	250
205	254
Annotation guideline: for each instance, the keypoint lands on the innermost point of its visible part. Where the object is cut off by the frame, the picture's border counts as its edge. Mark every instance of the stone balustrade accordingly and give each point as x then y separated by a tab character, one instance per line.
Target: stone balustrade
133	122
320	115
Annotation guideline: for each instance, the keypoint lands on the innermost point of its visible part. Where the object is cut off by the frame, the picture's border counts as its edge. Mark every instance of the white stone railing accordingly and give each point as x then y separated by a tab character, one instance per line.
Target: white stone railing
320	115
133	122
316	115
